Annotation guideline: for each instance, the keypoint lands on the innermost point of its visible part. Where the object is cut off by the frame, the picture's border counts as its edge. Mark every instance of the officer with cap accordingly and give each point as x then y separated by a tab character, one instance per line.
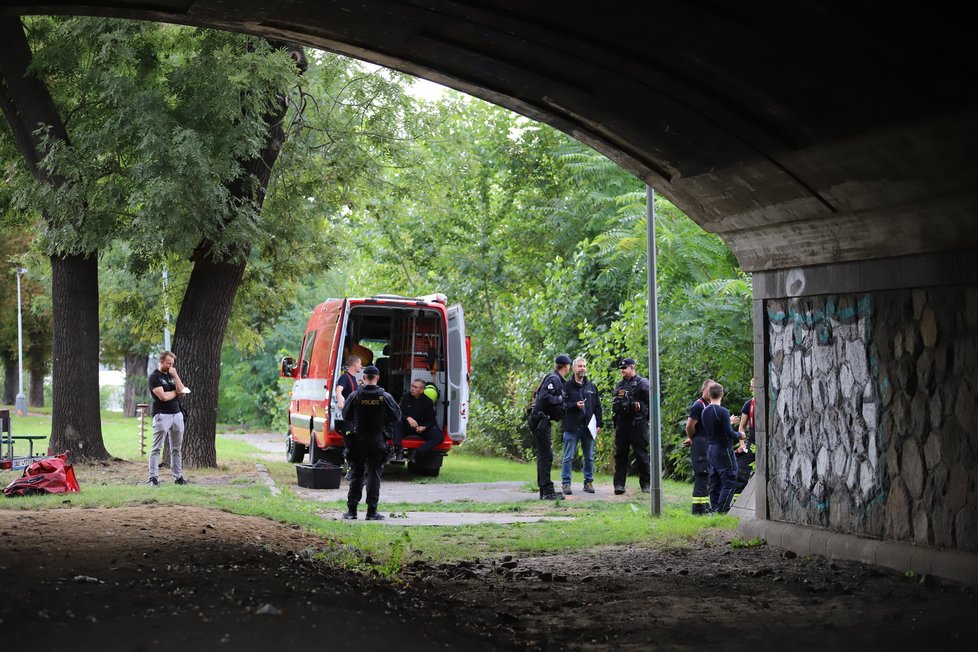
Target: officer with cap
371	411
547	407
630	407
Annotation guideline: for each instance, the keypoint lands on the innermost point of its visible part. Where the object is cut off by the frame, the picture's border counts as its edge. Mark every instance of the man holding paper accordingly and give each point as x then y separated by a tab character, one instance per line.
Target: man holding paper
582	423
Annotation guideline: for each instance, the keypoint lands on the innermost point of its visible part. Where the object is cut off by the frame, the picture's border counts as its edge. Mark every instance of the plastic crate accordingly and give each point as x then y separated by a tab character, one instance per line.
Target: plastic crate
318	476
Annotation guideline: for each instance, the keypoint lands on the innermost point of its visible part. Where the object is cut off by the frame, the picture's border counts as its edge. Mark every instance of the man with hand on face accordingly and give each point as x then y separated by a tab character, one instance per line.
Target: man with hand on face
166	387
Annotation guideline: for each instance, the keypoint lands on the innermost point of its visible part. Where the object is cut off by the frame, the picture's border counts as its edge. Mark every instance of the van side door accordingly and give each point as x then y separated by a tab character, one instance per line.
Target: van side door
458	380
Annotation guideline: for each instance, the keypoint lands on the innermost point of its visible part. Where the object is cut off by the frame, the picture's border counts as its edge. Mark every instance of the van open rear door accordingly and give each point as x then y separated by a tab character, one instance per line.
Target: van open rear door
458	381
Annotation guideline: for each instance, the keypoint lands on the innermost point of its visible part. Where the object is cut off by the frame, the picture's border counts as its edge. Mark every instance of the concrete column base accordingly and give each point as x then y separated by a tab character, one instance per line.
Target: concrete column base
804	540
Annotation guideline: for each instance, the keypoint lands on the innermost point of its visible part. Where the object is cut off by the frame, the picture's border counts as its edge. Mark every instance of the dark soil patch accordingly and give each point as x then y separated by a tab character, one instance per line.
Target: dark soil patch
180	578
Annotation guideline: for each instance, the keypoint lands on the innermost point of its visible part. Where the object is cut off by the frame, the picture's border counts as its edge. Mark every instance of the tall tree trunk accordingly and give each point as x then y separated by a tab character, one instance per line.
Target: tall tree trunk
197	342
9	378
37	361
136	390
26	103
35	396
76	423
207	303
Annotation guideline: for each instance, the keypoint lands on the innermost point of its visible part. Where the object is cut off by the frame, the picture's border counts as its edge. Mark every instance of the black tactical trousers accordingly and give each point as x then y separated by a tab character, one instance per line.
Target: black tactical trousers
632	437
366	457
699	457
543	446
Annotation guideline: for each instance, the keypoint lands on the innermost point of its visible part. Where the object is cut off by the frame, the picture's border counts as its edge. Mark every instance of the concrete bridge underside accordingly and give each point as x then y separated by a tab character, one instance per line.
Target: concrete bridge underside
832	147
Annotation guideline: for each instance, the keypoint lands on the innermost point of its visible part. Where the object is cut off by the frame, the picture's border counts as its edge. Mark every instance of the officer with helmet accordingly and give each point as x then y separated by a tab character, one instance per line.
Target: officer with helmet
630	407
371	411
547	407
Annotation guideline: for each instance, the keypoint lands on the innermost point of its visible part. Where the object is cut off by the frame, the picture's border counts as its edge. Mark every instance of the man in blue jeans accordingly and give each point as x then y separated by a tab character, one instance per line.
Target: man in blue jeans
581	402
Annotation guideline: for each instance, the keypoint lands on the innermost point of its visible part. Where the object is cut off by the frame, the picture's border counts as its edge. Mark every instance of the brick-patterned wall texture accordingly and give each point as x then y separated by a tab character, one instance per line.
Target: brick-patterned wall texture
872	426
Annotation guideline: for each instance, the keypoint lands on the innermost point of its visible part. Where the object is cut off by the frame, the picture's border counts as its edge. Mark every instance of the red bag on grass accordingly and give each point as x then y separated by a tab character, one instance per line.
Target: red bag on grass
52	475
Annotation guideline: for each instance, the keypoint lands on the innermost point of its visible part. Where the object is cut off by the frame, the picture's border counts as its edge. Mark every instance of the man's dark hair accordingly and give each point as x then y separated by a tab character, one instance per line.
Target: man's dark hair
716	391
350	359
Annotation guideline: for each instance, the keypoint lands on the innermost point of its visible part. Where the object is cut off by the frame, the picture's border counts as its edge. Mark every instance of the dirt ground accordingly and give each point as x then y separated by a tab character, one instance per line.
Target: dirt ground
178	578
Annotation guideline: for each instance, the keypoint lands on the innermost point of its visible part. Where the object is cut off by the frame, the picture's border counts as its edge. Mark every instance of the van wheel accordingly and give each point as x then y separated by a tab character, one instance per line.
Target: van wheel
430	467
294	451
315	452
423	471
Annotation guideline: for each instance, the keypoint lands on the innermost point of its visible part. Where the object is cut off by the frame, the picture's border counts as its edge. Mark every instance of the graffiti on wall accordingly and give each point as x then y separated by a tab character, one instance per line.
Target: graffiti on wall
872	424
825	451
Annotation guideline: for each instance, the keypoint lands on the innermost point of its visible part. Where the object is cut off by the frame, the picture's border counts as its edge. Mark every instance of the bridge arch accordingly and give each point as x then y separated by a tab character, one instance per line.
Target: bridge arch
832	149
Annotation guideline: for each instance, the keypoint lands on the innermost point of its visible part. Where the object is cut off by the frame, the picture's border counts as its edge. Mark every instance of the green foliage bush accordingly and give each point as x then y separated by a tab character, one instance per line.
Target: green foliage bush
542	241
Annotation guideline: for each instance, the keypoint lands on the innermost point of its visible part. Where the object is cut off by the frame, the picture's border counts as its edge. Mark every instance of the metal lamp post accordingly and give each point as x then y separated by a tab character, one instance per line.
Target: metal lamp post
21	402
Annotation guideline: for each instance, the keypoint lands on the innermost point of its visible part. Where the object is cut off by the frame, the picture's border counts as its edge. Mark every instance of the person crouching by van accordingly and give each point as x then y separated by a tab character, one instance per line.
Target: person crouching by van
368	412
417	418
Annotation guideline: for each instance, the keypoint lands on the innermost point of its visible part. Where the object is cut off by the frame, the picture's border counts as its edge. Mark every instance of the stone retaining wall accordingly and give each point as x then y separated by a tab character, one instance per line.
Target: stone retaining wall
872	425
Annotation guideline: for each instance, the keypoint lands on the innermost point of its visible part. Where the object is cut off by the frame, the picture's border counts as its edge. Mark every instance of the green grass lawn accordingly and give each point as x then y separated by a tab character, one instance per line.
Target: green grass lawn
234	486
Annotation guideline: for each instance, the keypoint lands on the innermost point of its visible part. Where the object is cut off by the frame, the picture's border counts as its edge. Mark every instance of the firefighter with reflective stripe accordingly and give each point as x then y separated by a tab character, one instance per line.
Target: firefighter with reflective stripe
630	407
746	451
370	411
547	407
722	437
699	450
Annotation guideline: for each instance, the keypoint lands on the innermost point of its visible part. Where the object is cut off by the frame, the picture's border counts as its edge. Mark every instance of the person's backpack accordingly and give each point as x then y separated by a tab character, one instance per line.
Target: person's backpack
51	475
531	404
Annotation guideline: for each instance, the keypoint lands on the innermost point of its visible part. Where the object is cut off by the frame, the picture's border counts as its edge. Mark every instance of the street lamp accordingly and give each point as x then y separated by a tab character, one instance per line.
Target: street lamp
21	403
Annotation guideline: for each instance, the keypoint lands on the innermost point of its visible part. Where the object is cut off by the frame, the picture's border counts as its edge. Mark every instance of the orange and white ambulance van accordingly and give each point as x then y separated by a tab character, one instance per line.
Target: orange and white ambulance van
407	339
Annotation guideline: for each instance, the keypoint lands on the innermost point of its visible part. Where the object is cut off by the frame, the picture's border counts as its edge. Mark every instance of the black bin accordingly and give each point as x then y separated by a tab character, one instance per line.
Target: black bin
318	476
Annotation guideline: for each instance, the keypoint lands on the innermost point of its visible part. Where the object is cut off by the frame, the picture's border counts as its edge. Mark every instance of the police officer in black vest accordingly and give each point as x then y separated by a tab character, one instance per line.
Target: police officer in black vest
630	407
548	405
371	411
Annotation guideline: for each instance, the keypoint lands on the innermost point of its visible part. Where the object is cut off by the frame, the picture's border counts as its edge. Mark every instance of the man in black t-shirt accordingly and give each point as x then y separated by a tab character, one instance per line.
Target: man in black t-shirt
166	387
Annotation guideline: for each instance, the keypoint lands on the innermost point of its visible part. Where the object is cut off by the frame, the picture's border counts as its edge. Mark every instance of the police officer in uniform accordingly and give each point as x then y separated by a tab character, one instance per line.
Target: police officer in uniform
699	448
548	406
630	407
371	411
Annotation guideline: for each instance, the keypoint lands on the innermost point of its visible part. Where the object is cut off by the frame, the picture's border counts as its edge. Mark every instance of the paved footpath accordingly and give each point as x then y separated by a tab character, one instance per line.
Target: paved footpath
399	487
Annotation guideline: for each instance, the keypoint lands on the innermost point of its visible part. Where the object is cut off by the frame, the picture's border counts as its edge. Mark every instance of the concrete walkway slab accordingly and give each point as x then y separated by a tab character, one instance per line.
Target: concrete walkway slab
451	518
399	487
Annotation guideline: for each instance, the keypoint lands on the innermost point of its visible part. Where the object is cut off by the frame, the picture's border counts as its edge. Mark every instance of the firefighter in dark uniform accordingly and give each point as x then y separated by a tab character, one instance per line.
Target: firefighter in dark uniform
548	406
371	411
630	407
722	437
699	448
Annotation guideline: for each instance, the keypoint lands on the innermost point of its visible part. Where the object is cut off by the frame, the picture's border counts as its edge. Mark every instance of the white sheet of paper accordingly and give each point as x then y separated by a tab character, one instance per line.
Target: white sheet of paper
592	425
186	390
